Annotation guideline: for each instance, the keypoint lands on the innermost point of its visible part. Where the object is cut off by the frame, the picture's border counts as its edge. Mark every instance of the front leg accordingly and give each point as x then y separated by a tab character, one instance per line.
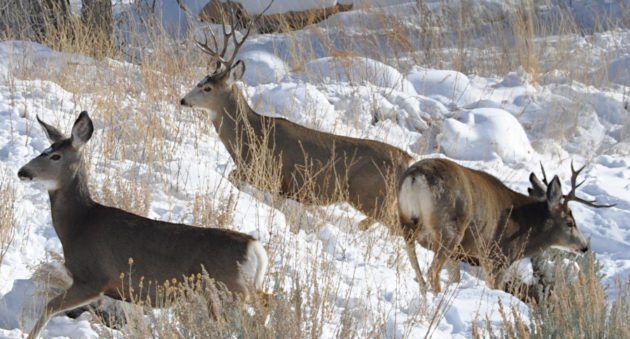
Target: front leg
497	276
75	296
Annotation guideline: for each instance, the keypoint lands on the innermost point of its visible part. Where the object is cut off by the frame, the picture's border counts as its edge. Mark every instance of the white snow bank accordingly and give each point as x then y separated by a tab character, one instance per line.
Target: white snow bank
26	54
301	103
485	134
444	86
618	71
356	70
262	67
24	303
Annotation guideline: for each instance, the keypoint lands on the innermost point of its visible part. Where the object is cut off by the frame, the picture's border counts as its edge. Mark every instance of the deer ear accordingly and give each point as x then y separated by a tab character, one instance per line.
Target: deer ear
52	133
82	130
538	190
554	193
237	71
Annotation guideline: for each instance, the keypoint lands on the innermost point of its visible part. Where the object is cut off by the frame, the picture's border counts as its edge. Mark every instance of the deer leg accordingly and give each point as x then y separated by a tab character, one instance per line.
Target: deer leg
75	296
496	280
444	249
434	270
454	275
410	246
413	258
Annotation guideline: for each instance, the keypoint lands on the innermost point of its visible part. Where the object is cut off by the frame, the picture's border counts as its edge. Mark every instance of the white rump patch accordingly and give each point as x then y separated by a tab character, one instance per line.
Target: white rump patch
414	198
254	267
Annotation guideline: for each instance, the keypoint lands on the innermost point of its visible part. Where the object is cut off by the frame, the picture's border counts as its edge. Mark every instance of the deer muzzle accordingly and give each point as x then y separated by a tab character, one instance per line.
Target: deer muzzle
24	174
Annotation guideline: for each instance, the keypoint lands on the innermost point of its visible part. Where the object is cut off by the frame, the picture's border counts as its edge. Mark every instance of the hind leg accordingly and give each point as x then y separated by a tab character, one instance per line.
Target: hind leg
447	241
454	276
410	234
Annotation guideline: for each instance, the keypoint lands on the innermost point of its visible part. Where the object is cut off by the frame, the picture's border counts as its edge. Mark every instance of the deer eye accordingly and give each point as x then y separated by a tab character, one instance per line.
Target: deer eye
571	223
55	157
207	89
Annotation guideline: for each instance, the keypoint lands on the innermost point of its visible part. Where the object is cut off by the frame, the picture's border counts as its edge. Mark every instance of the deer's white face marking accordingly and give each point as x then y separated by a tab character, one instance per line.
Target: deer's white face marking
51	185
564	248
200	98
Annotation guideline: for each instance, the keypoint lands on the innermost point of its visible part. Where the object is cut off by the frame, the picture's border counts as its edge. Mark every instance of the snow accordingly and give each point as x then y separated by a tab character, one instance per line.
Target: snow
444	86
263	68
485	134
619	71
356	70
503	125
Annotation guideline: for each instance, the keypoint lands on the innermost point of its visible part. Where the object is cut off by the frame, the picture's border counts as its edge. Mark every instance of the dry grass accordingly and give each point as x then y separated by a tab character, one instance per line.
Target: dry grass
575	307
7	215
141	140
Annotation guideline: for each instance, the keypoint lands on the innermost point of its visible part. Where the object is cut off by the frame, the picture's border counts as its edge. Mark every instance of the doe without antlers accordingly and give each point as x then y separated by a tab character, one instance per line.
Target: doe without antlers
99	241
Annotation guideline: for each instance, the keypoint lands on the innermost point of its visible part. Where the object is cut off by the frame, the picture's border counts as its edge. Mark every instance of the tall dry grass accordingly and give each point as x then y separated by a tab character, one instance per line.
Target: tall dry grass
140	136
576	306
7	215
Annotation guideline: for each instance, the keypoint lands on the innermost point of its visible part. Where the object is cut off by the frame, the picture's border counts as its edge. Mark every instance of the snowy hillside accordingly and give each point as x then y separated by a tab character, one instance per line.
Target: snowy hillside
158	159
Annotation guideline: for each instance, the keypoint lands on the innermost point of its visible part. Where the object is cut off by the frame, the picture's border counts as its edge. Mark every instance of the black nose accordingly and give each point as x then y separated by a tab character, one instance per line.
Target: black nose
24	174
183	102
584	249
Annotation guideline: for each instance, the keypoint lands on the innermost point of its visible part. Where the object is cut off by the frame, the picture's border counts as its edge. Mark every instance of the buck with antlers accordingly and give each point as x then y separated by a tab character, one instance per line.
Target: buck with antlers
99	242
315	167
465	214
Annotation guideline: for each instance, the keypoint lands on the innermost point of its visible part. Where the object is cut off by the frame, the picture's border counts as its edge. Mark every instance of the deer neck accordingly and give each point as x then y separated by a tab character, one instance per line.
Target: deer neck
527	220
233	122
69	204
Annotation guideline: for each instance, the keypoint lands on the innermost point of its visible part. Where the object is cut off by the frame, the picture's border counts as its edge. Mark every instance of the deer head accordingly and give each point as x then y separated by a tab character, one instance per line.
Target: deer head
569	236
58	164
213	91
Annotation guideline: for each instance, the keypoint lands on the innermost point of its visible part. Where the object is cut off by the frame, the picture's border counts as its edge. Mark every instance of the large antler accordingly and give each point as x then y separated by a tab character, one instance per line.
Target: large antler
232	18
574	185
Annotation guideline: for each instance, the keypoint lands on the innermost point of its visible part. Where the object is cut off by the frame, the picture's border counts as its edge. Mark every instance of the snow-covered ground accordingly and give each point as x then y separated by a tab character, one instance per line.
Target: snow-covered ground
504	125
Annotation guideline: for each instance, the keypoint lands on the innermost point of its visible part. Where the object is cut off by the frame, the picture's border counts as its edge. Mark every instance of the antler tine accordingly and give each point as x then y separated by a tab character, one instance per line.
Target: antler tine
229	18
257	17
226	35
204	46
544	175
574	175
571	196
238	44
591	203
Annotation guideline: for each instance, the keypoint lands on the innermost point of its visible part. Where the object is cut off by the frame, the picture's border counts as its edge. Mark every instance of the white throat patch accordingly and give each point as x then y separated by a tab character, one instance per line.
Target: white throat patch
564	248
50	185
212	115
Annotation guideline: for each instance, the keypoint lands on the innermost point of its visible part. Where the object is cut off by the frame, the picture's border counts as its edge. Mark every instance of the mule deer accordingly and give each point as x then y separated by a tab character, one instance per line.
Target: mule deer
100	242
466	214
316	167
